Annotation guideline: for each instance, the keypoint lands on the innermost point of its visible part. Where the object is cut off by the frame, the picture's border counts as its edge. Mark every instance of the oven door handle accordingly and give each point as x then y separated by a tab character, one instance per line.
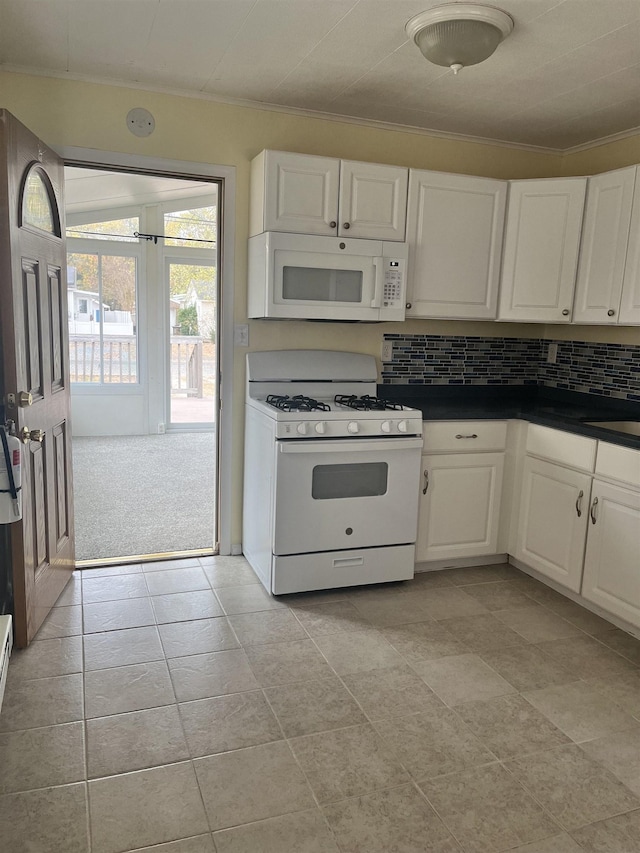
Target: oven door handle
355	445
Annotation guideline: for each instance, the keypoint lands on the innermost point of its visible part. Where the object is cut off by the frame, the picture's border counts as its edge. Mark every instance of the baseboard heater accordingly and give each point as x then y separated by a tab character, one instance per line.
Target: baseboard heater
6	642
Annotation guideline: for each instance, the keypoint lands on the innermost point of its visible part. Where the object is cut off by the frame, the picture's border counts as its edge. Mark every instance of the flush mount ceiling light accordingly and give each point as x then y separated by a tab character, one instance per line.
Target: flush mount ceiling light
459	34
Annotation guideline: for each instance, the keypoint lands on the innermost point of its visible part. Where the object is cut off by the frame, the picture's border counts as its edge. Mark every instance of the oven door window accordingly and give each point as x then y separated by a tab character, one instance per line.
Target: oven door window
314	284
351	480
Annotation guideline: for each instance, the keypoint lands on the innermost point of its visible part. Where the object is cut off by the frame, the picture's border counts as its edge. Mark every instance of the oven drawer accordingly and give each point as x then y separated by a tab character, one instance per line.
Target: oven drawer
332	569
464	436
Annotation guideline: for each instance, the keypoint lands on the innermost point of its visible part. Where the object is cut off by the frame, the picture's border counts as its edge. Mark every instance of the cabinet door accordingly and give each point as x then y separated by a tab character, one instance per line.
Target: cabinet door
542	238
455	227
630	302
460	509
604	246
554	511
301	193
612	561
373	201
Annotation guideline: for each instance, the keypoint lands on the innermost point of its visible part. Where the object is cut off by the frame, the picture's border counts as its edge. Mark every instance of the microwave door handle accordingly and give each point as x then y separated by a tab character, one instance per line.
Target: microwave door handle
378	267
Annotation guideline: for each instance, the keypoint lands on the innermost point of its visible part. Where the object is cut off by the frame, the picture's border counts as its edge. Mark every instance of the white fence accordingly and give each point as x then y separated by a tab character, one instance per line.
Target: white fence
117	361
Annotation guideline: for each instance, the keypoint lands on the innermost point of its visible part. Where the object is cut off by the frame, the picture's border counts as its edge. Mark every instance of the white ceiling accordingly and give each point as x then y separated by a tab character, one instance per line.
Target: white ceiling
569	74
97	189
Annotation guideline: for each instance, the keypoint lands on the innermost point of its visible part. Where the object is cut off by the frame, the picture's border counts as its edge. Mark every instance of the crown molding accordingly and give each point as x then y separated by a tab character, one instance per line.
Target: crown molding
603	140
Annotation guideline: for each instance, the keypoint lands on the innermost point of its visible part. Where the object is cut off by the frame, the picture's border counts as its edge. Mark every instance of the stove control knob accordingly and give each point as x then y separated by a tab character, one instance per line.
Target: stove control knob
321	428
403	426
385	426
353	426
302	428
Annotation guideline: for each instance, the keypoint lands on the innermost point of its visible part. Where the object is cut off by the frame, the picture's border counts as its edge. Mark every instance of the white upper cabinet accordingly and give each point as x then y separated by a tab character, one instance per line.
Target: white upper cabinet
455	228
303	194
373	201
542	240
630	302
603	253
294	192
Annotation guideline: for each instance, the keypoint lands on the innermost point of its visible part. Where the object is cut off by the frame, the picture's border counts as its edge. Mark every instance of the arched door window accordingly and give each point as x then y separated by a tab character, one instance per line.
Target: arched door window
39	209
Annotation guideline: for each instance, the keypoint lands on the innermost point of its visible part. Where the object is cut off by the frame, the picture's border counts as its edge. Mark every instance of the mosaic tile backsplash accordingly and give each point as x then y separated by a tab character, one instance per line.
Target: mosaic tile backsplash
612	370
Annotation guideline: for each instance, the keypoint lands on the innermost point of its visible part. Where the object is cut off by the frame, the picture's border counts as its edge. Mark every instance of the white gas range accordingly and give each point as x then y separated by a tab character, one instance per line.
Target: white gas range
331	473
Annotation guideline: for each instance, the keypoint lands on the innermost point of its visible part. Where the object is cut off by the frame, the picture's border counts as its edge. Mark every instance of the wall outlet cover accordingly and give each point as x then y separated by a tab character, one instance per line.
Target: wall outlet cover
552	353
387	351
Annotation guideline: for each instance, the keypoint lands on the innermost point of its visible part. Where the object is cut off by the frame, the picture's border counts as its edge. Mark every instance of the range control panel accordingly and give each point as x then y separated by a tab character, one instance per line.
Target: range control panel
355	428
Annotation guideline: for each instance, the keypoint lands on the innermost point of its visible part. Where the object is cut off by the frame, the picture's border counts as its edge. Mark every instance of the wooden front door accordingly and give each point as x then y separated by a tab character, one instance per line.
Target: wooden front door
35	388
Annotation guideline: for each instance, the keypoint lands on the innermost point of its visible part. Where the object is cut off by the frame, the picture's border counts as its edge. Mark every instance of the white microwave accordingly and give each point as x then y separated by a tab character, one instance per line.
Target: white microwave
298	276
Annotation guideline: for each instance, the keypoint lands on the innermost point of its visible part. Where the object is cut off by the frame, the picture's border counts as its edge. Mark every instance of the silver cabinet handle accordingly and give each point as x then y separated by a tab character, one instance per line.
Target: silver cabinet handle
579	503
333	224
473	435
425	474
593	510
346	226
610	312
408	305
565	312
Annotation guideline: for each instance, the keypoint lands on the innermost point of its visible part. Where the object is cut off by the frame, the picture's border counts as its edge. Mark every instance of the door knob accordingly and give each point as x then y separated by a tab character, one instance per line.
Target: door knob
24	399
27	435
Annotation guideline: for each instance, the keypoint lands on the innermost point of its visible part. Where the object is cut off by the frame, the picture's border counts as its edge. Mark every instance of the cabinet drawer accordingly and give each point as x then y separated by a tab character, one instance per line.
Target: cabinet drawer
574	451
464	436
618	463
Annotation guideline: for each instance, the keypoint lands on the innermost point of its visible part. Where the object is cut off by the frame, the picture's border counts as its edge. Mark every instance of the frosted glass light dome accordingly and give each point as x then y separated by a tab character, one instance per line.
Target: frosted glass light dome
459	34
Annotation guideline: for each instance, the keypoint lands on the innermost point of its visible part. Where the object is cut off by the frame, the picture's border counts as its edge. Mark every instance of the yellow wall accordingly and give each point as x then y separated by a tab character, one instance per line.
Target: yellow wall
69	113
602	158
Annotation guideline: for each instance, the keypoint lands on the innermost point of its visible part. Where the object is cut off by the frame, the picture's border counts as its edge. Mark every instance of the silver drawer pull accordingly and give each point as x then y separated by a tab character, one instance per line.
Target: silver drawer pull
473	435
593	510
579	503
426	481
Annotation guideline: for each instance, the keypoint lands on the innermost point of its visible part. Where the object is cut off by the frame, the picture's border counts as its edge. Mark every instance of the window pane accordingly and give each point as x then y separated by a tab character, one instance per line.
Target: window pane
36	204
83	291
192	321
195	226
102	318
118	230
118	318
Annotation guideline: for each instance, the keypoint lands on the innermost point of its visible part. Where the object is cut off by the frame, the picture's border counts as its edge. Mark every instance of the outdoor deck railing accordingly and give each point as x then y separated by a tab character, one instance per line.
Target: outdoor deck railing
117	362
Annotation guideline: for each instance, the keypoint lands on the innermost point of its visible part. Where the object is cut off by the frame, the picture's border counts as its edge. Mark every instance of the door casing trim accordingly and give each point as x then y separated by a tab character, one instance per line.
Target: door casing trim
74	156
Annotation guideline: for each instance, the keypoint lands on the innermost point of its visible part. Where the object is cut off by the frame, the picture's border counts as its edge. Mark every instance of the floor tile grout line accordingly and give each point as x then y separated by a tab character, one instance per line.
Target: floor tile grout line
438	815
530	793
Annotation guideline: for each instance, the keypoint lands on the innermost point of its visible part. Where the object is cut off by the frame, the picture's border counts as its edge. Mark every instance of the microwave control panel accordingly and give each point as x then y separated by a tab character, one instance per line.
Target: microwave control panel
393	295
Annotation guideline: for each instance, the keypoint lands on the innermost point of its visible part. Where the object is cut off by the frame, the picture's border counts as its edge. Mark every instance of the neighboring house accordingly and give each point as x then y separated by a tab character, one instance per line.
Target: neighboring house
205	308
85	313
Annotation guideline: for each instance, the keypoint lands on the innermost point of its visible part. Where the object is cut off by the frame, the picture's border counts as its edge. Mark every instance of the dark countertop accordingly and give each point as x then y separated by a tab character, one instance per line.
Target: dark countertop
552	407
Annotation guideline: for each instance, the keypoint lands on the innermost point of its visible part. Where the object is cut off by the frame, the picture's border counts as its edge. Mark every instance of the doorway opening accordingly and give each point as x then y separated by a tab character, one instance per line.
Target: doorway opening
144	289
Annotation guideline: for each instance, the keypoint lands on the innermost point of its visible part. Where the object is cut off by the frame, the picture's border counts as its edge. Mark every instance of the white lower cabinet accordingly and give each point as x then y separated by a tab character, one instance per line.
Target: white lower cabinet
581	528
612	561
553	521
459	505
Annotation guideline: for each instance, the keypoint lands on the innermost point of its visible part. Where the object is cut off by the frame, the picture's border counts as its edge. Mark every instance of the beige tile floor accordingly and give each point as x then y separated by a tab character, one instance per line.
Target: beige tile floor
177	708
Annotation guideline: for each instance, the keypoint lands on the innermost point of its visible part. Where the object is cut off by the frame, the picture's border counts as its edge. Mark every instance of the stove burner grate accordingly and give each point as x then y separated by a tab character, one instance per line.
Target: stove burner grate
366	402
299	403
